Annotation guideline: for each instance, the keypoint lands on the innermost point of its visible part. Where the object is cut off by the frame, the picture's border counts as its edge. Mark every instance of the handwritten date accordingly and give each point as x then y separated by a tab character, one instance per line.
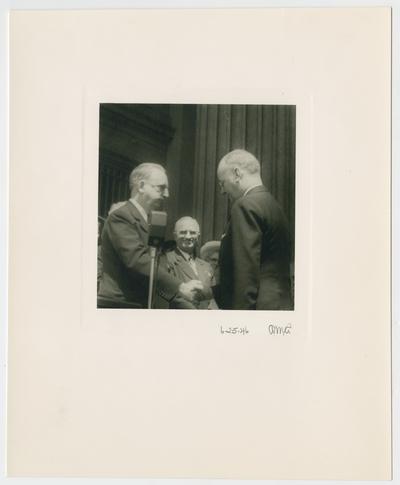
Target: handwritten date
234	330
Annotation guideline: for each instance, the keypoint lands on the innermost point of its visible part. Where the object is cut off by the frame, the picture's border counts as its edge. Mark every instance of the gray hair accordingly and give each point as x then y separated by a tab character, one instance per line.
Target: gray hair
242	159
142	172
186	218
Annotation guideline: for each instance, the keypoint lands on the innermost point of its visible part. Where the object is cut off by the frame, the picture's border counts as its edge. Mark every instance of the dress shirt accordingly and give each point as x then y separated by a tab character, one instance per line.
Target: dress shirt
190	259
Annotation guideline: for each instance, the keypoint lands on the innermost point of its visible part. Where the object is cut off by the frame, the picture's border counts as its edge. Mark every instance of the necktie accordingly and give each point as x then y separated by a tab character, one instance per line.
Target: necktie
193	265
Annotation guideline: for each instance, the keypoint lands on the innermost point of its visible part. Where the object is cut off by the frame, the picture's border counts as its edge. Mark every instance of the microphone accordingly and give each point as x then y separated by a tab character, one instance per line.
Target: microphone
157	228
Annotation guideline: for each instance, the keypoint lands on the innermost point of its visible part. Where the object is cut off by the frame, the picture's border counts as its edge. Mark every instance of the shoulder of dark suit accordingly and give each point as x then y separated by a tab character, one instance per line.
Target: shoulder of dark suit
127	211
254	197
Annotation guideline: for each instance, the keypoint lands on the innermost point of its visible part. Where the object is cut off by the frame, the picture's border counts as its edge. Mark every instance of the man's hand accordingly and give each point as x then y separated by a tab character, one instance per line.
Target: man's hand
190	290
204	294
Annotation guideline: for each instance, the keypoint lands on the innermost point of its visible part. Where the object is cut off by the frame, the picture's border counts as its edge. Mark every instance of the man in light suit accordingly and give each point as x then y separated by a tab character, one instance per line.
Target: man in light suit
184	264
255	250
125	253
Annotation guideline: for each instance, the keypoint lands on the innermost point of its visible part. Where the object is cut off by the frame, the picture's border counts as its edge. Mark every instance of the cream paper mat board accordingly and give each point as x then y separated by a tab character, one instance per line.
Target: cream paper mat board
163	394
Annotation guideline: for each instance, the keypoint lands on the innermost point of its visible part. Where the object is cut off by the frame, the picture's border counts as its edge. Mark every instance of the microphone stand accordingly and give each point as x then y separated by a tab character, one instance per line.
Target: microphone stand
153	256
154	263
157	225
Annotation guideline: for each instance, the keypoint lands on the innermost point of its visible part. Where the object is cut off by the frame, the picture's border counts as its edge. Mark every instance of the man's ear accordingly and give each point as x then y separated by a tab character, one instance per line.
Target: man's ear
237	172
141	185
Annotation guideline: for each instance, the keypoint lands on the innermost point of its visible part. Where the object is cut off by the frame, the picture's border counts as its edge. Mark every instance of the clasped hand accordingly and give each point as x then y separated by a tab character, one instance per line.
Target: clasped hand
192	291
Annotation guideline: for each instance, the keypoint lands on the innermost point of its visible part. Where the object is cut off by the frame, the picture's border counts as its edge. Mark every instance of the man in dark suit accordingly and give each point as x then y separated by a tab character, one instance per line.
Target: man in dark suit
100	223
125	253
184	264
255	249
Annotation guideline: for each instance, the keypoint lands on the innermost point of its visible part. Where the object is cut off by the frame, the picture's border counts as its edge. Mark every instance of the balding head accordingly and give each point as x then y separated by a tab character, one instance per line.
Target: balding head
143	172
148	183
237	171
187	221
242	159
186	233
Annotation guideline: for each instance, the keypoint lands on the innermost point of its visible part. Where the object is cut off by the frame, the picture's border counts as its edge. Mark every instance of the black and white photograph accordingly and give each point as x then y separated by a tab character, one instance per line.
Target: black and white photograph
196	206
234	159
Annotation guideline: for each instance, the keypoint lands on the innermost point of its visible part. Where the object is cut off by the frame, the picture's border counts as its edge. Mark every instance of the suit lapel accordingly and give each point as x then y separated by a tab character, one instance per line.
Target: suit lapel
185	266
138	217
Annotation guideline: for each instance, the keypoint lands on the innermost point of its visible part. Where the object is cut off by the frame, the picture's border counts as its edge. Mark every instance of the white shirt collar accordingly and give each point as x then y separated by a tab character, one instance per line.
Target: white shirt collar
140	209
187	256
251	188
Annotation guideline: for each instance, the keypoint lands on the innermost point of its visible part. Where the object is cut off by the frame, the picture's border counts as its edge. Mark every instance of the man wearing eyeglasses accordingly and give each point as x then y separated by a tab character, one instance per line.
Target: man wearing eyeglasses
255	252
125	254
184	263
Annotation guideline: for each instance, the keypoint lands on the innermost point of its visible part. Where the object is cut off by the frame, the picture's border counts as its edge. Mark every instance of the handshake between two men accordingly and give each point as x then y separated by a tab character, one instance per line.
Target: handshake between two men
183	264
194	292
254	256
183	281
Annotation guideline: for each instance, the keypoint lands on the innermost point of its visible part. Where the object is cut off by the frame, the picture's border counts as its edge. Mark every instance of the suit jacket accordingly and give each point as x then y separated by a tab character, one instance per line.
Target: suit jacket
181	269
126	260
99	266
255	256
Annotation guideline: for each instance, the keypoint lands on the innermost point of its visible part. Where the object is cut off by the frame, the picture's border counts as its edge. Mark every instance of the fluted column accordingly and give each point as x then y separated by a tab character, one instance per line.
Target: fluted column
266	131
212	142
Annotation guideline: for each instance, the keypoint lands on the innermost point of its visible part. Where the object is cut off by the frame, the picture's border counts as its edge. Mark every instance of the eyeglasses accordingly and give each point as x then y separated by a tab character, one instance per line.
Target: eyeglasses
160	188
188	233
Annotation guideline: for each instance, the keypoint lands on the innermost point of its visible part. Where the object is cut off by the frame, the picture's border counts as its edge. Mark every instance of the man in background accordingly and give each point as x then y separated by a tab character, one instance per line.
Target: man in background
184	264
125	254
210	253
255	249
